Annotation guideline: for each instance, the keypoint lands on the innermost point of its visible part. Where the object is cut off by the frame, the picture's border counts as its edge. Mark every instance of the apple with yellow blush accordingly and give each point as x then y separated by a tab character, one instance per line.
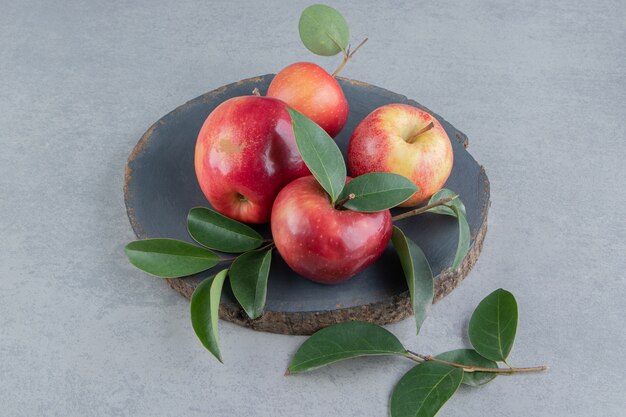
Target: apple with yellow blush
403	140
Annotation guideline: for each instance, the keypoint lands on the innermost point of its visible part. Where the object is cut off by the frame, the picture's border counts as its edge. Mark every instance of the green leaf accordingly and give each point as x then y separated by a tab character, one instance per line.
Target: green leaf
377	191
418	274
215	231
323	30
456	209
248	279
464	238
423	390
445	193
344	341
205	305
472	358
493	325
169	258
320	153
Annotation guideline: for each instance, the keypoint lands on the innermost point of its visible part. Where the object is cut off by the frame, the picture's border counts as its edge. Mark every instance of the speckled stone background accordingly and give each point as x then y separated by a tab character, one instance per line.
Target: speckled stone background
539	87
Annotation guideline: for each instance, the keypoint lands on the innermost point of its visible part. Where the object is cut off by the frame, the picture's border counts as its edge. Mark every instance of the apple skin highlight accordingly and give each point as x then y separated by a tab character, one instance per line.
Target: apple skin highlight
380	144
310	90
245	153
320	242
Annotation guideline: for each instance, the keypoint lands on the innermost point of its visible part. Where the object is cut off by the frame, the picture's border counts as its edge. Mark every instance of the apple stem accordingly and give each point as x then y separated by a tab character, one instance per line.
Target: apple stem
419	358
340	203
256	92
422	130
347	55
421	210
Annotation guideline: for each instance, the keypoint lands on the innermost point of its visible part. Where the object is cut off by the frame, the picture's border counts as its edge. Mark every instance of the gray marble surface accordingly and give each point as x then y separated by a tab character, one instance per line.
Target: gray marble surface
539	87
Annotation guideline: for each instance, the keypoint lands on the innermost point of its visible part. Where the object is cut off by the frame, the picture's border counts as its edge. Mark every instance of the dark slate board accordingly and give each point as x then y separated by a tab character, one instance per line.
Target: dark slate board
160	187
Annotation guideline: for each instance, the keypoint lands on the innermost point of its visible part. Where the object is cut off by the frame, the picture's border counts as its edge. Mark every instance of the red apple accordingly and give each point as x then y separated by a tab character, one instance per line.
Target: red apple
403	140
245	153
309	89
320	242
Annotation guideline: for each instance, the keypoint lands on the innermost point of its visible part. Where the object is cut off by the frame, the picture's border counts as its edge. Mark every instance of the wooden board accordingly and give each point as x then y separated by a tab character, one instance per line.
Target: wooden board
160	187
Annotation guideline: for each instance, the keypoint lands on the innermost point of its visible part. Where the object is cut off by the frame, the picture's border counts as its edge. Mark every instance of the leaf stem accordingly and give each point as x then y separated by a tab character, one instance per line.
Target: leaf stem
268	246
421	210
228	259
347	55
340	203
419	358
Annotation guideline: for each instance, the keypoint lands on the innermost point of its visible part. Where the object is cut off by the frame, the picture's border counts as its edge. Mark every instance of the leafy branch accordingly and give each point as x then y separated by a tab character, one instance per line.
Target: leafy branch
248	272
324	31
424	389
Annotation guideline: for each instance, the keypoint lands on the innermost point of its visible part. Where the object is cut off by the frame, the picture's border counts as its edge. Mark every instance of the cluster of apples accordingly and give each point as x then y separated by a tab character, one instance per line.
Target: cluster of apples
250	169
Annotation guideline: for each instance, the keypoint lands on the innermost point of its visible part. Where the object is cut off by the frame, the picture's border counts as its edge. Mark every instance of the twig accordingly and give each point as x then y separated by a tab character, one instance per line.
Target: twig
420	210
347	55
419	358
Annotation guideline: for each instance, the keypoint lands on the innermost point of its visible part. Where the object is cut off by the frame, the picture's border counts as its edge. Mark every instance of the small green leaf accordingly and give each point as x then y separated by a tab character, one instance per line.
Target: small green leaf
445	193
215	231
472	358
493	325
344	341
423	390
464	238
169	258
248	279
377	191
323	30
320	153
205	305
418	274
